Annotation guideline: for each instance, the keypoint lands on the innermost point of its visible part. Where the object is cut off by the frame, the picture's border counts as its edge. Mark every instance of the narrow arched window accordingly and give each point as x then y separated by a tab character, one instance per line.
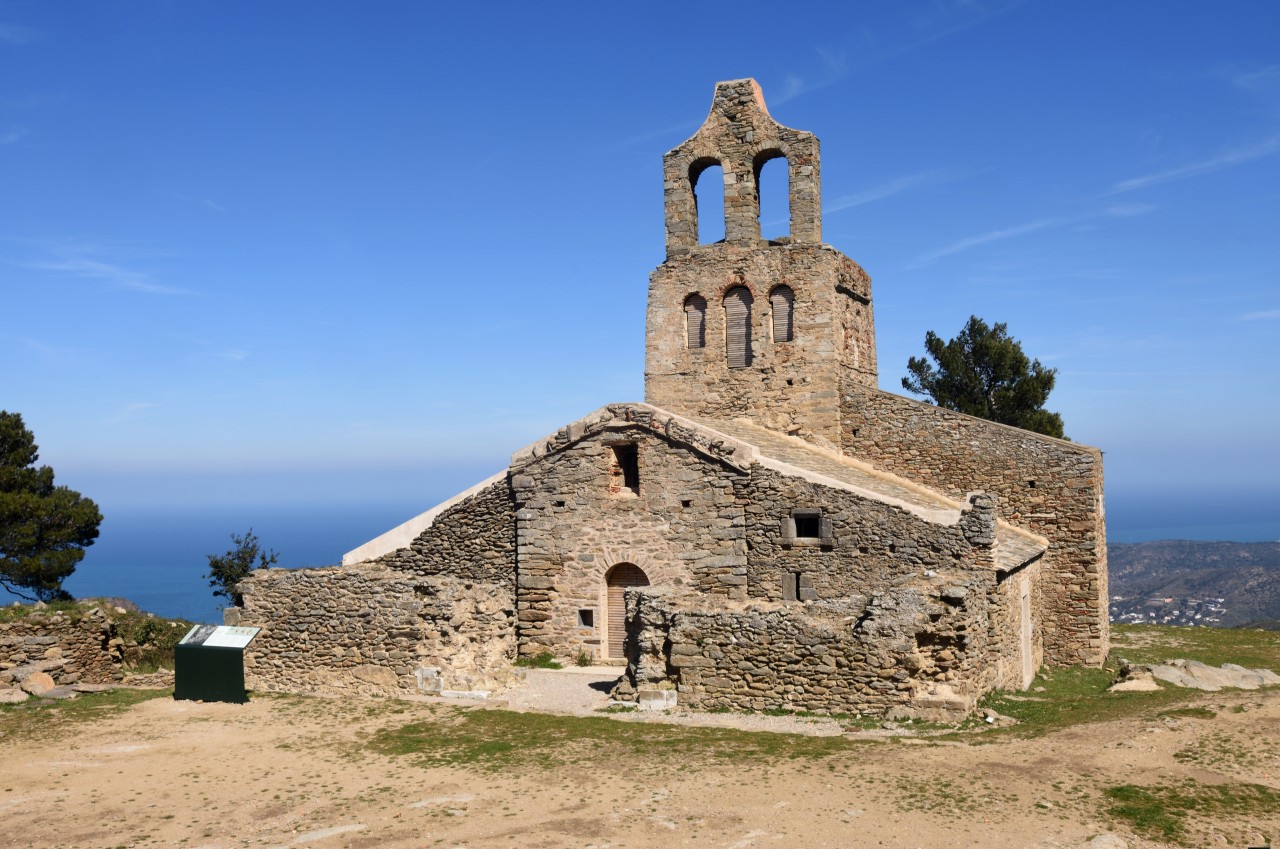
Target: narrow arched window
706	179
773	194
695	321
737	326
782	304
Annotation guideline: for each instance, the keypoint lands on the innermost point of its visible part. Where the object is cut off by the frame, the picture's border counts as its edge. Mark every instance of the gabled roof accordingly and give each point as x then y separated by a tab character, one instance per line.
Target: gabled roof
739	444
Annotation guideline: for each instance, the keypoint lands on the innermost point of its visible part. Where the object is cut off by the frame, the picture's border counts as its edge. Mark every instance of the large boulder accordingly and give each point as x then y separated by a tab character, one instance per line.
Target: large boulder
38	683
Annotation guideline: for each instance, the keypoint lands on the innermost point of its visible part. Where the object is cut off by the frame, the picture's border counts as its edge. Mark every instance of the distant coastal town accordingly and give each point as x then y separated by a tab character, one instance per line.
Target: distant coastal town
1167	610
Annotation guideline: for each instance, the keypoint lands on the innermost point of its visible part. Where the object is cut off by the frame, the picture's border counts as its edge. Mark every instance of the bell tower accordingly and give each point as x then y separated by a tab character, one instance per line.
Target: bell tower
769	330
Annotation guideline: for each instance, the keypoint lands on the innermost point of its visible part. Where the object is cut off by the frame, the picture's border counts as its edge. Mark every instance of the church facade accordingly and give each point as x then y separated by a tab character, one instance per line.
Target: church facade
767	529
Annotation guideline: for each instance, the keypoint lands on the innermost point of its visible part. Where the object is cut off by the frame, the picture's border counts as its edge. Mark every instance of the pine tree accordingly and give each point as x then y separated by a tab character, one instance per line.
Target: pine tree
44	528
984	372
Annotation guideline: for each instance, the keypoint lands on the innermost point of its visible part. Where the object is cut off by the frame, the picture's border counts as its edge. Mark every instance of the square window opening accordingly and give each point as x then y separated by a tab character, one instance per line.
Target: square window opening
686	503
586	617
808	526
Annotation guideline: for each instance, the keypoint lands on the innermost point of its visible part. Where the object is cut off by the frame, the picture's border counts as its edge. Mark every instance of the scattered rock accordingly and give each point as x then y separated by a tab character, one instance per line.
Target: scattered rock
59	692
37	683
91	688
1200	676
12	696
1107	841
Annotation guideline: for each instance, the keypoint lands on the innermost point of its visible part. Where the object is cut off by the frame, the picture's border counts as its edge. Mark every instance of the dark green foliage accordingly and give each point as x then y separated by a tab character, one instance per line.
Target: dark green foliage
228	570
983	372
44	529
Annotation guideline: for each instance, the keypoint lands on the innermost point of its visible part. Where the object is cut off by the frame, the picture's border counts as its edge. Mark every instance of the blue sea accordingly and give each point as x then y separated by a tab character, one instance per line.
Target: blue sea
158	557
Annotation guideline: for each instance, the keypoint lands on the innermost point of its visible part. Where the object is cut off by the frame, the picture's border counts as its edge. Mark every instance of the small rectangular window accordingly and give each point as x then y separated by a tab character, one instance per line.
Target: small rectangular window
808	526
586	617
625	473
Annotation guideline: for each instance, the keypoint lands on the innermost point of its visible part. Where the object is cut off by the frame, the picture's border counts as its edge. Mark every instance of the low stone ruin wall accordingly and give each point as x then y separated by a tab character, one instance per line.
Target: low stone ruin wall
371	630
918	649
1047	486
69	648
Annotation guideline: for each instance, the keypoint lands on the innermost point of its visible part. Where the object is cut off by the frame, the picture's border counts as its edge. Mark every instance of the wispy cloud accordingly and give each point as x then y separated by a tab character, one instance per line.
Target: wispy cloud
130	412
880	192
202	201
121	278
1128	210
940	21
1252	79
16	33
236	354
987	238
682	130
894	187
1260	315
13	136
1226	160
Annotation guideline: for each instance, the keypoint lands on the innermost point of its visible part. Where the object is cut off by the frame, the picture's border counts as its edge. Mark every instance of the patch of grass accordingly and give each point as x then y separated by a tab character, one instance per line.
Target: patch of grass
155	637
498	739
1073	696
1167	811
1215	646
1230	752
1077	695
545	660
40	719
1190	712
14	612
584	658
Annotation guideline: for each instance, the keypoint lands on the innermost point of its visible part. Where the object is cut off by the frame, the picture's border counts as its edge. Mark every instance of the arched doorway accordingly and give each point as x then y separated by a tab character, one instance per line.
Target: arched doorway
616	582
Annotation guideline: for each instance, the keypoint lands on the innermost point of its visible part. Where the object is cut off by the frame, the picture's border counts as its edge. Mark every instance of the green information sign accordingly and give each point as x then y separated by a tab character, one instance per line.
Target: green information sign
208	664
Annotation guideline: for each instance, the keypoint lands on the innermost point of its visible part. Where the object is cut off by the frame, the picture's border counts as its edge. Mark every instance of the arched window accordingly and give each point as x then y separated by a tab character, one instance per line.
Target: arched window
782	304
695	321
706	179
773	193
737	326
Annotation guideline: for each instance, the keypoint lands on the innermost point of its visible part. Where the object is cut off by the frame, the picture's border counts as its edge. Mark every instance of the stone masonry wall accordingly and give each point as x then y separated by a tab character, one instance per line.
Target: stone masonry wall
740	136
871	544
473	539
683	528
71	650
789	387
920	647
369	629
1048	486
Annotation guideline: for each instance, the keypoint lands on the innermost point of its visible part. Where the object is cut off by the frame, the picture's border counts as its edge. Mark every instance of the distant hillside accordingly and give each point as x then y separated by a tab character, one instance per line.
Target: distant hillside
1182	582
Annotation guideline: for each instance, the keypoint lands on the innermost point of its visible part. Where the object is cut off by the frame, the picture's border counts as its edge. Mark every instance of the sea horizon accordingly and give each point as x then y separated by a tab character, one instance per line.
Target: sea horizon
157	557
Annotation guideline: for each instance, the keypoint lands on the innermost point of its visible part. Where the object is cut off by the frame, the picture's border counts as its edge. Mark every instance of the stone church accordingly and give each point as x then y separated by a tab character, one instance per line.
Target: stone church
767	530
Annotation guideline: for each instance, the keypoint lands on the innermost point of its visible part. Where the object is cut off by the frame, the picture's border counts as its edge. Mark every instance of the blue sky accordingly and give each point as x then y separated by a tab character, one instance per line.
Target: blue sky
343	253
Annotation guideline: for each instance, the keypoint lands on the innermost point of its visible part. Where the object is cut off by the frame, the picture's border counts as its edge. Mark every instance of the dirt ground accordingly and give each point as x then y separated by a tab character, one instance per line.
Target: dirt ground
294	771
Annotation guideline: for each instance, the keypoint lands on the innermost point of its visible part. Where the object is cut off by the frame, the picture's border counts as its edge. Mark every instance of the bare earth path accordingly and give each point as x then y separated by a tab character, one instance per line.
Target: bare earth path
318	772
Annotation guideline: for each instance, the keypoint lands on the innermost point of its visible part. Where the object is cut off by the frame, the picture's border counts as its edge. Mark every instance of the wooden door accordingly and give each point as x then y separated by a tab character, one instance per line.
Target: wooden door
619	578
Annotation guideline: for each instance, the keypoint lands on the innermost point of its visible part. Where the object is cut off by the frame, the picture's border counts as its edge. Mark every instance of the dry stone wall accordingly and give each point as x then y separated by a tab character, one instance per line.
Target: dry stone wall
1048	486
80	649
474	539
369	629
920	648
